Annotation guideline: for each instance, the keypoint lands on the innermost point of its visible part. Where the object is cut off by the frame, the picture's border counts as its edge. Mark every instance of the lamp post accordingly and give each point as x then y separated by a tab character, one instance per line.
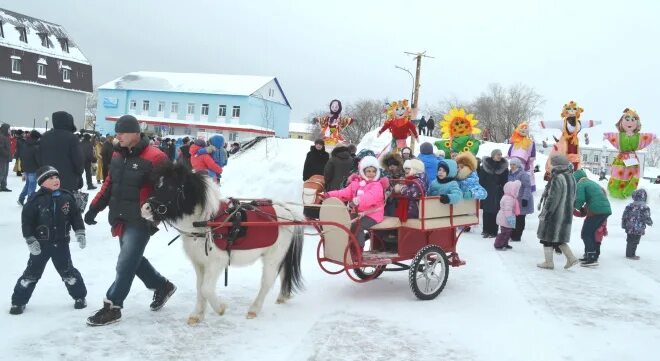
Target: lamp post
46	120
412	77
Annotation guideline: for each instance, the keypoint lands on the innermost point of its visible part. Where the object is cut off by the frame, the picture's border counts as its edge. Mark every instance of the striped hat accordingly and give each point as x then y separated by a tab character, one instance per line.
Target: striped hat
46	172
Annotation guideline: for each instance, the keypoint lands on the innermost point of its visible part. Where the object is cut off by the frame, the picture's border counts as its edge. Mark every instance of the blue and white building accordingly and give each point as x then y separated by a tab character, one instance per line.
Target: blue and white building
174	104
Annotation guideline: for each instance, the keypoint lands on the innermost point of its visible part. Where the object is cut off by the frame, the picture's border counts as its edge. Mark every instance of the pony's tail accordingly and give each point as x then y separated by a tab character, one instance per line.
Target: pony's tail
291	264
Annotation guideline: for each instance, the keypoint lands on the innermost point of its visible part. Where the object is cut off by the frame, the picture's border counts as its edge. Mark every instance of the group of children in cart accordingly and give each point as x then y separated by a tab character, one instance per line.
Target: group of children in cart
395	190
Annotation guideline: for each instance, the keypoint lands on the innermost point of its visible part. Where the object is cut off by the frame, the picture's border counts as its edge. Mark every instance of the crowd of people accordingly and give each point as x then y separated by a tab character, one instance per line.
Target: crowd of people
55	162
394	185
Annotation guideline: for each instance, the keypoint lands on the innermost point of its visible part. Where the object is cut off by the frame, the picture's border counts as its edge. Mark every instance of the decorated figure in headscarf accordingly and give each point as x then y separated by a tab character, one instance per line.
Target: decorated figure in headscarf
399	124
523	148
331	125
569	143
625	167
457	129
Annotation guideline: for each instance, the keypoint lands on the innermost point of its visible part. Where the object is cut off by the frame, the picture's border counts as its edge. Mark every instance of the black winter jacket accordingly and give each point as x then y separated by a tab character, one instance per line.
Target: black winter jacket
338	168
49	216
127	186
493	176
87	150
30	161
60	148
184	156
315	162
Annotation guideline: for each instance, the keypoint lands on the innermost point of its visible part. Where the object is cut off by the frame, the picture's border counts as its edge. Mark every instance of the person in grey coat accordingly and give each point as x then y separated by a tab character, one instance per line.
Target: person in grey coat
525	198
338	168
556	215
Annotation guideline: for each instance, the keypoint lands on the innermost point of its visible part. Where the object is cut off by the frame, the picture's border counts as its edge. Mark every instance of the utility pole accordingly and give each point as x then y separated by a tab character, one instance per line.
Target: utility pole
418	56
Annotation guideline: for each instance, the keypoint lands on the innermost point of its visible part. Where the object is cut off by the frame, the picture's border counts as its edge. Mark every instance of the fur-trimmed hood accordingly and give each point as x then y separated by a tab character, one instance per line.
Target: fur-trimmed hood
391	157
491	166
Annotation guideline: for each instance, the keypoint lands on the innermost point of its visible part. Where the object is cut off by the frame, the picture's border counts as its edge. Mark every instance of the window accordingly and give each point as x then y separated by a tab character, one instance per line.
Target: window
132	105
205	110
64	43
41	71
145	106
585	158
236	112
161	107
45	41
222	111
607	159
66	75
271	92
16	65
595	158
233	136
22	34
191	108
2	31
300	137
174	108
187	130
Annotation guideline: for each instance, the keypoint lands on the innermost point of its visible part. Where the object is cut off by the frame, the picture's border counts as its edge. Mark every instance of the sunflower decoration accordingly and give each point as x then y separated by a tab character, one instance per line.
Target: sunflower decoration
458	129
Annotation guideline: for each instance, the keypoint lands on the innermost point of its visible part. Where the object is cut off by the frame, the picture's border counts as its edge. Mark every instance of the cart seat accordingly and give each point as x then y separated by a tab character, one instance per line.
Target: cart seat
436	215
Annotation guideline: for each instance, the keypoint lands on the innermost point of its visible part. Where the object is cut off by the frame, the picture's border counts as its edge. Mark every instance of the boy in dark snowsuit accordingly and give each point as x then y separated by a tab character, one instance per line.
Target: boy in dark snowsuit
636	217
47	218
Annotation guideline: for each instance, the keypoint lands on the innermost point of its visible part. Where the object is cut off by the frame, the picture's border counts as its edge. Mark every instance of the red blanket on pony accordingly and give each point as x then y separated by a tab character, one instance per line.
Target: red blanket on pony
251	236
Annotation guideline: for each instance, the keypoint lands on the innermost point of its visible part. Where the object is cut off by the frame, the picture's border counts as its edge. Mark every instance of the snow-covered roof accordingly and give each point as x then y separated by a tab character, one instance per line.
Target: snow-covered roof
33	28
222	84
200	124
301	127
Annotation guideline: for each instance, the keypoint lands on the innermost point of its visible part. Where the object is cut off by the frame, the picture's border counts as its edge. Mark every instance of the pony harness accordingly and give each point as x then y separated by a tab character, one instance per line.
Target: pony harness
232	235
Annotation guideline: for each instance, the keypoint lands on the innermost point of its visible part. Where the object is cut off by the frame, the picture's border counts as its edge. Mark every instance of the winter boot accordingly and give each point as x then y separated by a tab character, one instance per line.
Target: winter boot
571	260
105	316
80	304
548	264
591	260
16	309
162	295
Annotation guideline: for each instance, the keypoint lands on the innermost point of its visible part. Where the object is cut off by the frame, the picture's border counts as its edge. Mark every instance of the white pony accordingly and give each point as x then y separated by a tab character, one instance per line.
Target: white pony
182	198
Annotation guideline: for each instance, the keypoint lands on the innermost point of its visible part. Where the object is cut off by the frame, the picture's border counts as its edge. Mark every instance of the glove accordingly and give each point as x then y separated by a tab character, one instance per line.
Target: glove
444	199
356	200
511	220
33	245
89	217
210	149
523	203
80	237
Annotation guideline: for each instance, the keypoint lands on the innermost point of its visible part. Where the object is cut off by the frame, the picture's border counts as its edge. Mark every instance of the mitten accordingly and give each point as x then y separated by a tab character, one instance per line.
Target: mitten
511	220
210	149
444	199
33	245
80	237
356	200
89	217
523	203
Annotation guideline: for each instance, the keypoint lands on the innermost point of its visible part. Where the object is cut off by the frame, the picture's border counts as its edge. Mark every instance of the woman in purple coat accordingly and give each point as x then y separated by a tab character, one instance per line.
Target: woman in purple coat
524	196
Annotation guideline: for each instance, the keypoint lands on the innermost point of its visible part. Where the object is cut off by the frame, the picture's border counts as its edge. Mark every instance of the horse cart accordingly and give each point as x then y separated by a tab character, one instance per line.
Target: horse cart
428	242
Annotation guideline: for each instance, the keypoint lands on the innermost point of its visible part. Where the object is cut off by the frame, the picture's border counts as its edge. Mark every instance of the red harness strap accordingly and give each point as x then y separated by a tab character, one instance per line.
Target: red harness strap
254	236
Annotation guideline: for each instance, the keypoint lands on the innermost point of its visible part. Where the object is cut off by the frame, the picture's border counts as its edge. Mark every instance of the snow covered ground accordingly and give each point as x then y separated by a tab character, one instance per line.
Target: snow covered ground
499	306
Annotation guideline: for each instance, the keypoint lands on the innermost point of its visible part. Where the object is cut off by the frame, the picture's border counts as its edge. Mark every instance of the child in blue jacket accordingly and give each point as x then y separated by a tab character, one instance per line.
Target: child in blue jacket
444	184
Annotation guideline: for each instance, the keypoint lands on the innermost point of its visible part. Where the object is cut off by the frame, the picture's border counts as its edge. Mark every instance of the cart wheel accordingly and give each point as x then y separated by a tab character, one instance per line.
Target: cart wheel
428	272
369	272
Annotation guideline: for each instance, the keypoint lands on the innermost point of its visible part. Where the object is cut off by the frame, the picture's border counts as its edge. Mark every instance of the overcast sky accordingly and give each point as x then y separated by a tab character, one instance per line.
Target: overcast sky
599	53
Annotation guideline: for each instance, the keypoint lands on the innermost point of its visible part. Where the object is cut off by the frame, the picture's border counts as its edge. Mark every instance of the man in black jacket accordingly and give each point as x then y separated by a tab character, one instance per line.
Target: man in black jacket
88	157
316	159
338	168
31	162
60	148
124	191
184	153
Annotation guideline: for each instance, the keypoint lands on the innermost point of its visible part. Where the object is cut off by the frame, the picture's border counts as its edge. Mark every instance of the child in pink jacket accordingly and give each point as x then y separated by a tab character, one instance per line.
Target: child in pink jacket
506	217
367	193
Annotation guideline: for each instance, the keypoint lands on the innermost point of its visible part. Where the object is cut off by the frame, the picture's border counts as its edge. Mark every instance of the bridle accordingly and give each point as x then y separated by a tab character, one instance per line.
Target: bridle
161	209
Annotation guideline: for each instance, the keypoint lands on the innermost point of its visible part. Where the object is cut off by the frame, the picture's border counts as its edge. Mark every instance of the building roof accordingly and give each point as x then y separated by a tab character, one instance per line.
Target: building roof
222	84
301	127
34	29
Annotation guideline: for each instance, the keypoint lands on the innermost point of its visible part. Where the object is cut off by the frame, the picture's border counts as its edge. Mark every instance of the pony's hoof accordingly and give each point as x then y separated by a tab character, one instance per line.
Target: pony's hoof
280	300
193	320
221	310
251	315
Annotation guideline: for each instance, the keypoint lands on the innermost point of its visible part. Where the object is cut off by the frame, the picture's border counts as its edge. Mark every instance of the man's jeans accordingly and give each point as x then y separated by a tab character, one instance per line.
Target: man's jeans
131	263
29	187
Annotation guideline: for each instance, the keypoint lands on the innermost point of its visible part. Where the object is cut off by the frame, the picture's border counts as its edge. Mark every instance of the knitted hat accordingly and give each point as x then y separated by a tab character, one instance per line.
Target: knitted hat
426	148
559	160
46	172
495	152
443	165
127	124
515	161
415	164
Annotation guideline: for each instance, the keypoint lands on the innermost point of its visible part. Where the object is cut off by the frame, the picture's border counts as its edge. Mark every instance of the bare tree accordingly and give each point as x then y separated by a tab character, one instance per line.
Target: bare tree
653	154
367	114
90	110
